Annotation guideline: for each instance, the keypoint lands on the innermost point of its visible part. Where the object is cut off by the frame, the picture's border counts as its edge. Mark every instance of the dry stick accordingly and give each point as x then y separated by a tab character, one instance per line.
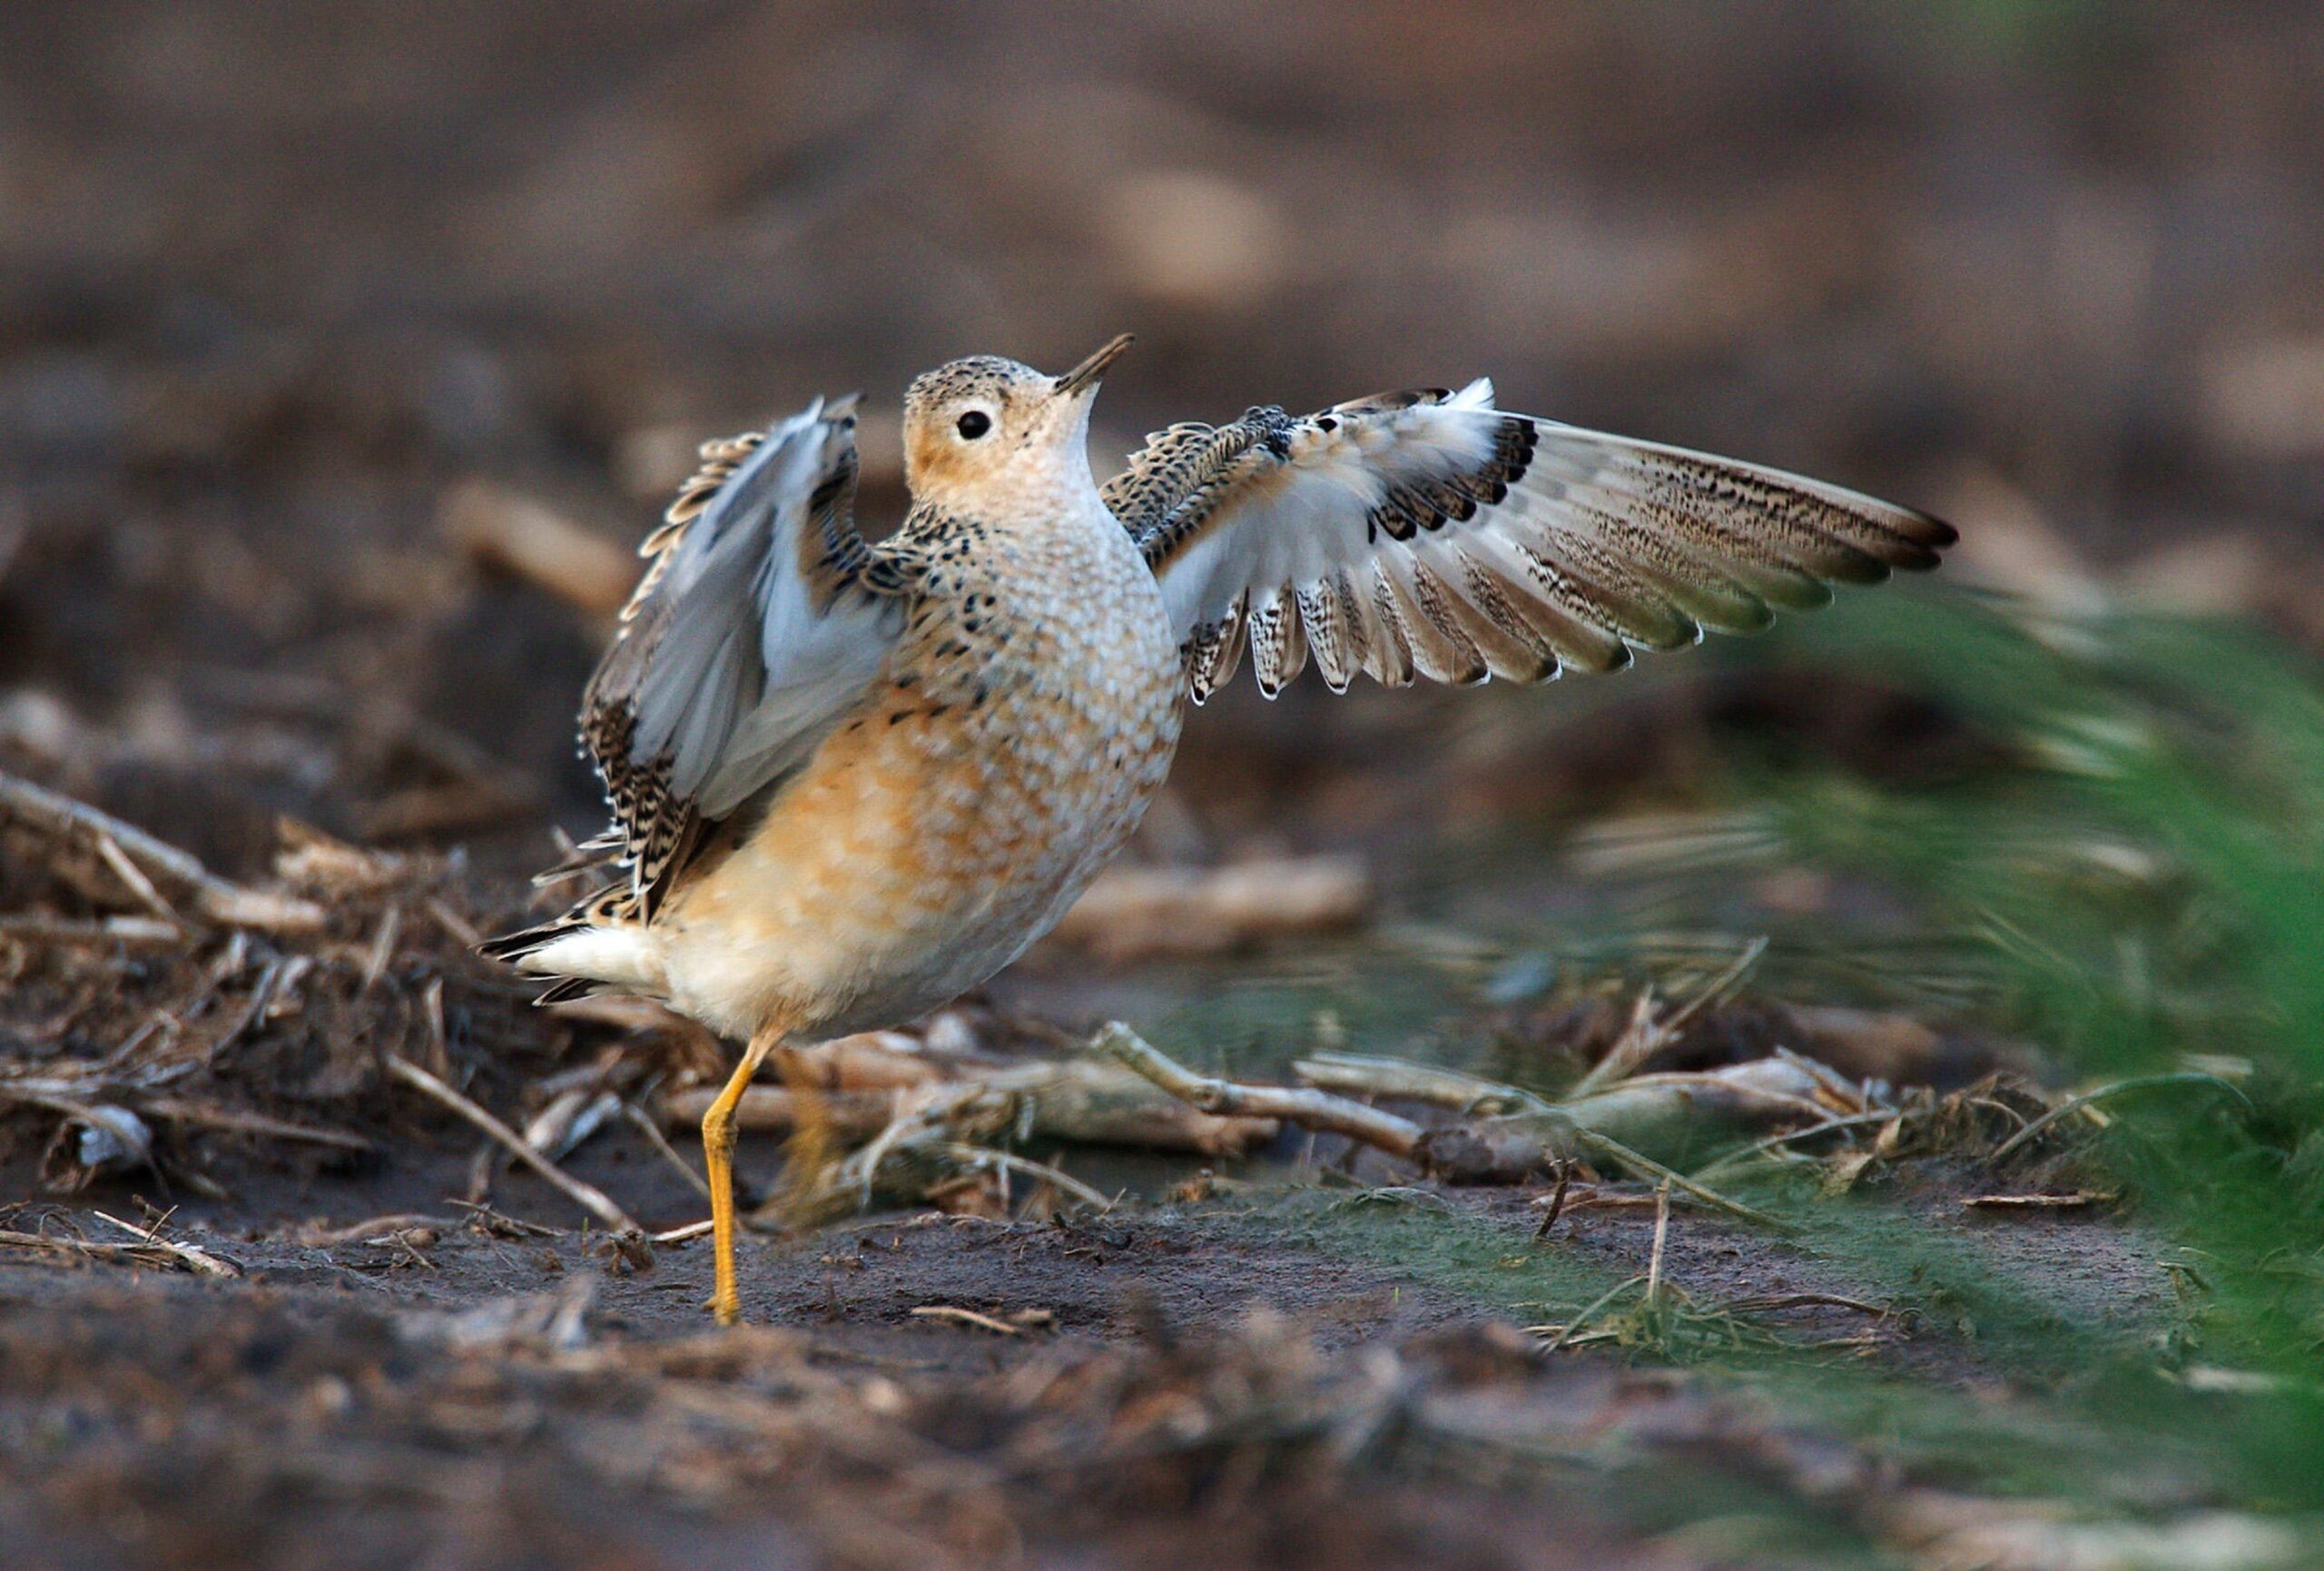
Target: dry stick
2034	1203
1661	1233
1565	1332
199	1261
15	526
1647	1167
1640	1039
1557	1200
216	898
1760	1304
1718	986
131	874
1852	1121
40	929
484	1216
974	1156
1314	1110
179	1111
383	950
589	1198
660	1142
1645	1036
462	930
1399	1137
2141	1083
523	535
370	1229
966	1318
1396	1077
123	1254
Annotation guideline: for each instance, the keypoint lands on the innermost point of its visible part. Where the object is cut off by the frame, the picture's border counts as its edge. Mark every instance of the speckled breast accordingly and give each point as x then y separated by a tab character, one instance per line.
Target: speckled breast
1028	716
1057	661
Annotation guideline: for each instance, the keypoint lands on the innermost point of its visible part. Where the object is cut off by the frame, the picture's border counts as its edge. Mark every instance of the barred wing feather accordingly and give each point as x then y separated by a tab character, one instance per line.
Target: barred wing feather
760	621
1428	533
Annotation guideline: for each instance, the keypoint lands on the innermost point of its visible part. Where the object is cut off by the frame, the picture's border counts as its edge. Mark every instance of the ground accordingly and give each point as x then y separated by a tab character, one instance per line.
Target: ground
296	1414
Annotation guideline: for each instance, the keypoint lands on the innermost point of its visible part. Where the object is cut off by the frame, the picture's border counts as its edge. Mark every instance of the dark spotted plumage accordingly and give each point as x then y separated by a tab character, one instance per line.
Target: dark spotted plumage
655	788
1428	533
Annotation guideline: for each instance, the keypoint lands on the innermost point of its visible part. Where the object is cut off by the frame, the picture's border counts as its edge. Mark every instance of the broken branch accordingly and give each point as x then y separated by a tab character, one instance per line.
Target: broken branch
221	900
1315	1109
589	1198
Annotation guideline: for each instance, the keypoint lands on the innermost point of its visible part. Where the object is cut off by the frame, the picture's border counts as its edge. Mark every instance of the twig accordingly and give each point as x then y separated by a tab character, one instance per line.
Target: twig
15	526
975	1156
661	1143
44	929
679	1235
262	994
1647	1167
1774	1141
128	873
1396	1077
1765	1303
589	1198
1565	1332
1718	986
320	1238
484	1216
194	1112
1086	1101
464	932
1556	1207
1309	1108
119	1254
1645	1035
1399	1137
383	950
1661	1235
221	900
523	535
2073	1201
2139	1083
199	1260
966	1318
1640	1039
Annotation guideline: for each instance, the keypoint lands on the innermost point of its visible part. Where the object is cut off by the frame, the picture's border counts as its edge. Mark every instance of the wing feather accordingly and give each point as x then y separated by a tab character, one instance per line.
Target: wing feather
1428	533
755	627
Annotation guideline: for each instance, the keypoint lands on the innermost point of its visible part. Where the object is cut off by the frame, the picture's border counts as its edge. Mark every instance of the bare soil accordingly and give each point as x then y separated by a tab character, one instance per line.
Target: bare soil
457	1390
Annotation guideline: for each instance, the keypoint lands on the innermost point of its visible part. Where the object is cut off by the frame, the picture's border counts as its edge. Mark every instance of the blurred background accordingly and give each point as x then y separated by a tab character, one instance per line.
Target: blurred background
346	353
277	291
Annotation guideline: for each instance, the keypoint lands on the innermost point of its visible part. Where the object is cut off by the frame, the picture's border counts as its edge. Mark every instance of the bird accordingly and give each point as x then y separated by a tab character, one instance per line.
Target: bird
850	781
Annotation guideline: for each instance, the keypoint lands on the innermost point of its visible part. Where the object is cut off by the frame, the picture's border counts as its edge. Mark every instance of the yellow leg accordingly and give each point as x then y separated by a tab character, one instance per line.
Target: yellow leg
717	1155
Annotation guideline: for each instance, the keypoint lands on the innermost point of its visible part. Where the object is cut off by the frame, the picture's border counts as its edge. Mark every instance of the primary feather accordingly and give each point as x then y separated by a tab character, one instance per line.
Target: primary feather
1428	533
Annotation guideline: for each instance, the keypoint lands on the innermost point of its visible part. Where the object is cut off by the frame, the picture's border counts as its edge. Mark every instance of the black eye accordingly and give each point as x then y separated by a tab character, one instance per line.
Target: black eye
974	424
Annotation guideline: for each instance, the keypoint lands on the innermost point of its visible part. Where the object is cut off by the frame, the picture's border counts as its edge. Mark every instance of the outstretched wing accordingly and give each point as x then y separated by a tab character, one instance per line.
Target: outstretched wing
760	618
1431	533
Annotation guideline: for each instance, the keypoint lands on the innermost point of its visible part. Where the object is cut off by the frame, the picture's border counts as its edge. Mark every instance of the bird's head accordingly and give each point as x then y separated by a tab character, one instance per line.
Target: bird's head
986	431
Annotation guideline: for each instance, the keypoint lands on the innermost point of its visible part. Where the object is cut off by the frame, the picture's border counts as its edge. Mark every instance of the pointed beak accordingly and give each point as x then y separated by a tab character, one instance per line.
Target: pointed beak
1087	374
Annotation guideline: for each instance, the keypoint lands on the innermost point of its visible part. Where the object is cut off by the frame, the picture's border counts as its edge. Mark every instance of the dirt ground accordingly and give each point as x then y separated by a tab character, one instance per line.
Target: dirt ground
1246	1382
276	300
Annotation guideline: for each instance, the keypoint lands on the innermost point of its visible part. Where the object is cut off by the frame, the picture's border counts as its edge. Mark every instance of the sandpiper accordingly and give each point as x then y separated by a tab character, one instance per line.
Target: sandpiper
850	781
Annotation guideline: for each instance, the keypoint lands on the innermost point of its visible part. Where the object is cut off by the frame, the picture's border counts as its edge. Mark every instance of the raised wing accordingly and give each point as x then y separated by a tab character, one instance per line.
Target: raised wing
761	617
1430	533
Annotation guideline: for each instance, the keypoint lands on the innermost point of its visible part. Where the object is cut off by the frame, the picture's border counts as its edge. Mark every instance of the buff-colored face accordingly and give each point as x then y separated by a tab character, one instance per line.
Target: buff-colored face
981	428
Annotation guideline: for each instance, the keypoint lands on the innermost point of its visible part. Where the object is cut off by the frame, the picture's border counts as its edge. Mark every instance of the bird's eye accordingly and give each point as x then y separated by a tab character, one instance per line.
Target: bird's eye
973	424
